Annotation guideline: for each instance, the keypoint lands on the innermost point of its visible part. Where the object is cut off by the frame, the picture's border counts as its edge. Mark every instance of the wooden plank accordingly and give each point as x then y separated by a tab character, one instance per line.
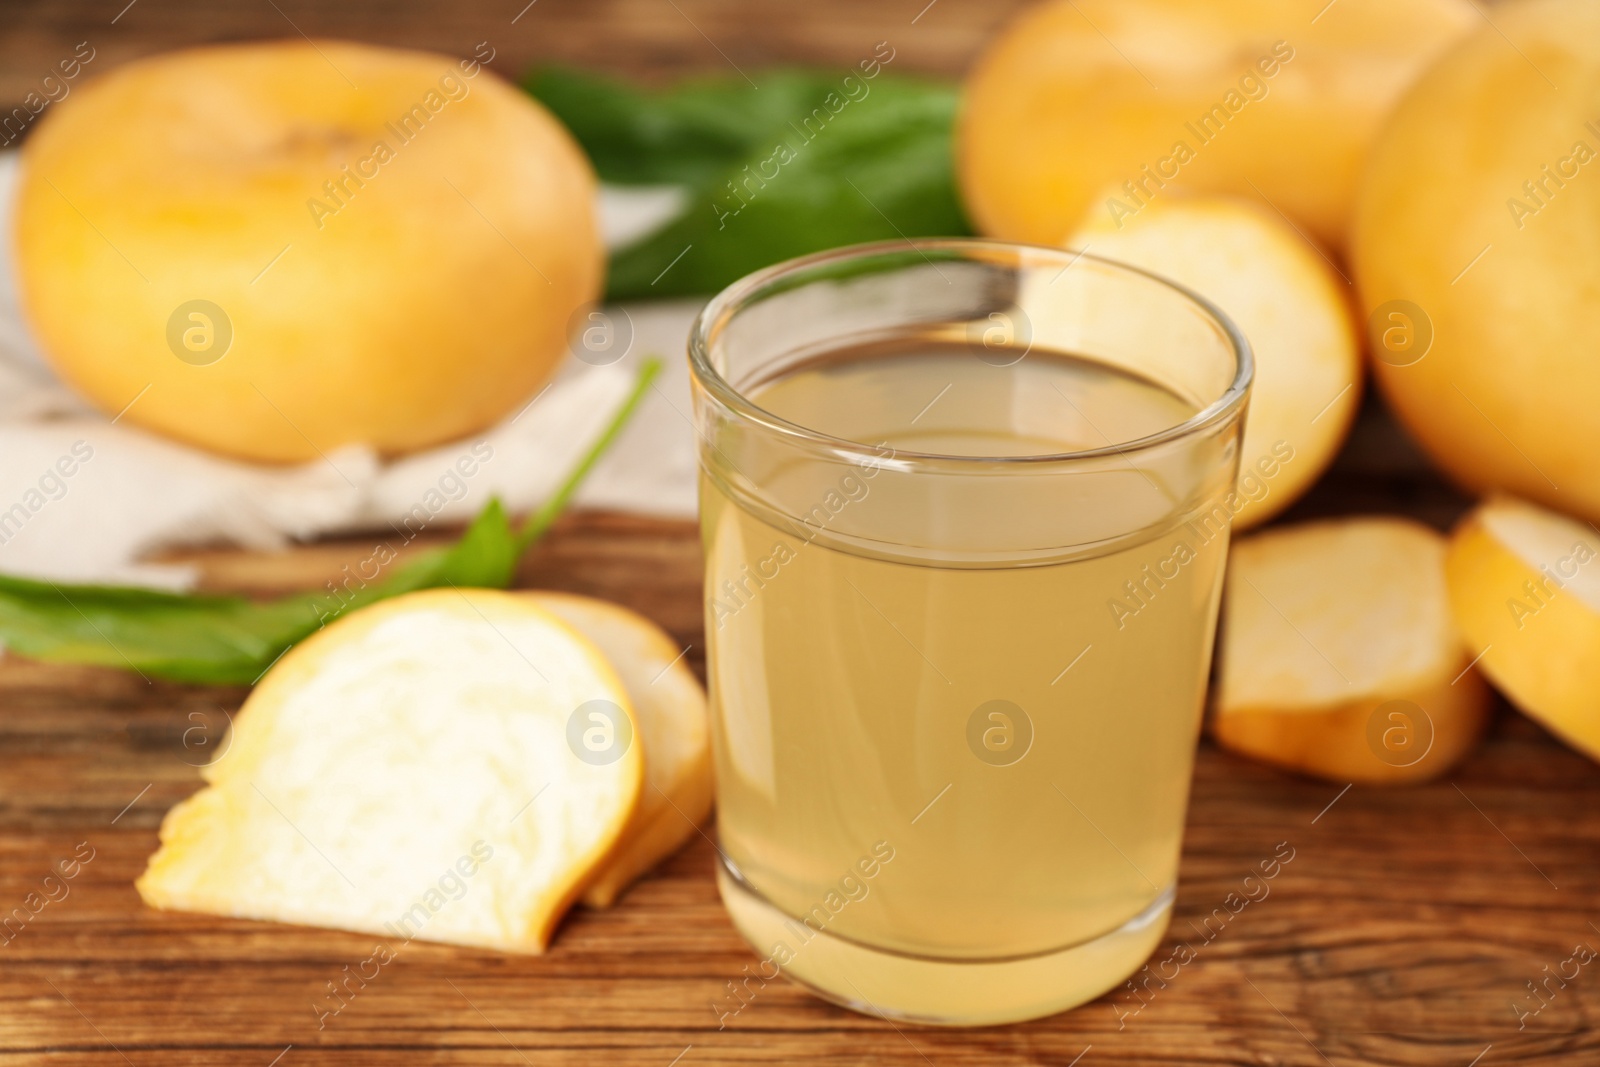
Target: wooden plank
1402	931
642	39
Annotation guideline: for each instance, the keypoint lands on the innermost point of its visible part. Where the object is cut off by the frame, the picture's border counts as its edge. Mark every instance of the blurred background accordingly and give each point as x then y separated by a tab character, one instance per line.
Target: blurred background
656	42
649	40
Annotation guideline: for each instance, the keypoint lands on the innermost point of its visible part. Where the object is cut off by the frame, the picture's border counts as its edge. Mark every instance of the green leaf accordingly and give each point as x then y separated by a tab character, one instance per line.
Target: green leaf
688	135
186	638
230	640
809	161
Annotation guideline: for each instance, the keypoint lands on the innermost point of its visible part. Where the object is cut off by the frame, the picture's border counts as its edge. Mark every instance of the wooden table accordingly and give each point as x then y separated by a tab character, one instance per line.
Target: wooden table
1403	932
650	39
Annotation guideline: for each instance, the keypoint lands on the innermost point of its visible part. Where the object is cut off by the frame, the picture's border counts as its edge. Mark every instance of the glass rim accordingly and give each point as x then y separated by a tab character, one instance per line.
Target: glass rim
742	293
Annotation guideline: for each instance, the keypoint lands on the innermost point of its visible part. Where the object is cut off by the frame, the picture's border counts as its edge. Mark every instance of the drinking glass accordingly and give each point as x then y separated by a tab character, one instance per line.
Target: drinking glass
965	507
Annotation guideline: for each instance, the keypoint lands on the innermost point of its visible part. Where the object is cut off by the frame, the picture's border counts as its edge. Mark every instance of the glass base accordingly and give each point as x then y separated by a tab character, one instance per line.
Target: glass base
934	991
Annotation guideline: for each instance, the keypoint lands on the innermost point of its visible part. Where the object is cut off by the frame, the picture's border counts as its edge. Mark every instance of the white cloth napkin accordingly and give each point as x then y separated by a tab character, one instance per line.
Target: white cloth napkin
86	499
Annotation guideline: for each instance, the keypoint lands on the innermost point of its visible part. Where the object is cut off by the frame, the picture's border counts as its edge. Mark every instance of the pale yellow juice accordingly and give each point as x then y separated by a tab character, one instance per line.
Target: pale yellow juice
937	764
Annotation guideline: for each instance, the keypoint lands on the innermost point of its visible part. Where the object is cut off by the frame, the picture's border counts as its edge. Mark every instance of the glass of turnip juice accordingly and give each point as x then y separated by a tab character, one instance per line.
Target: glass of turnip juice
965	512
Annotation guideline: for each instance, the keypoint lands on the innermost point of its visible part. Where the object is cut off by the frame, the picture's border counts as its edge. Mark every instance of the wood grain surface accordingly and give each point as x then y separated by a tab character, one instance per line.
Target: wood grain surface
652	40
1403	931
1409	928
